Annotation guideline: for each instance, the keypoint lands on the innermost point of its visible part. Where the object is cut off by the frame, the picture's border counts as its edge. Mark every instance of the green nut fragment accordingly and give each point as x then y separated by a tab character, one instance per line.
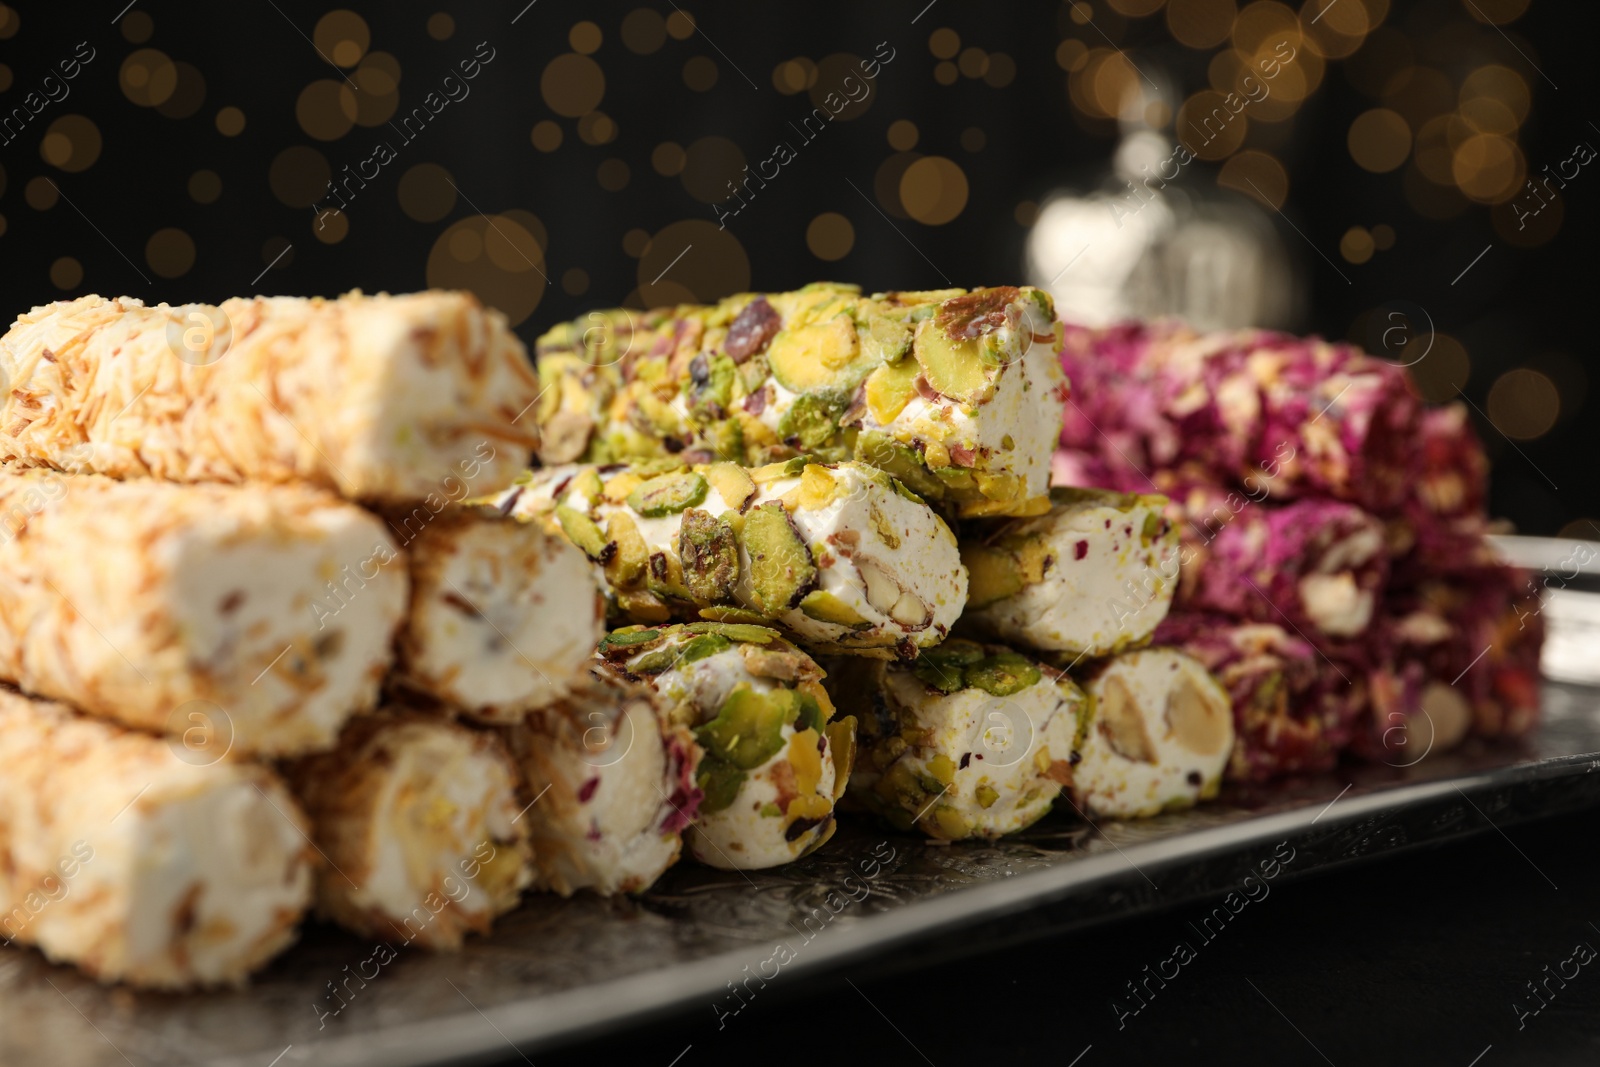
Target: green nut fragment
943	667
1002	674
748	729
953	367
742	633
811	421
631	637
1153	524
656	661
582	531
702	646
769	810
825	357
732	482
588	484
719	613
626	567
886	339
668	494
720	782
992	574
823	606
709	553
782	571
890	388
986	795
901	462
710	382
810	714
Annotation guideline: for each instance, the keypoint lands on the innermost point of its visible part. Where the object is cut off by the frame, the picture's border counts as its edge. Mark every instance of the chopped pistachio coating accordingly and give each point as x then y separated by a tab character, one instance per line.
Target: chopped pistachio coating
1093	576
840	555
773	758
971	741
959	393
1160	733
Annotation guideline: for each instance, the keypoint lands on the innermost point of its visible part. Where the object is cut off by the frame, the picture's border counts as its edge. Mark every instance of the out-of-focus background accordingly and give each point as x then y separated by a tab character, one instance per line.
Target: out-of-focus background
1413	177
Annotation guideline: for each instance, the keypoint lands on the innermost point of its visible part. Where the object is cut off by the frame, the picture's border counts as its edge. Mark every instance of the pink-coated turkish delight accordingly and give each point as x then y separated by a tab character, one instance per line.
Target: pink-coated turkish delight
1311	416
1315	566
1289	716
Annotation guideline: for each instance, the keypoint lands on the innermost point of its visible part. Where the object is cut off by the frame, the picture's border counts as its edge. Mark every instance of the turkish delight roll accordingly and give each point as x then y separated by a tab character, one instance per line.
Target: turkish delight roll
417	818
1093	576
1160	735
775	758
260	616
137	865
1291	416
841	555
958	393
1317	566
609	783
1287	718
382	398
971	741
504	615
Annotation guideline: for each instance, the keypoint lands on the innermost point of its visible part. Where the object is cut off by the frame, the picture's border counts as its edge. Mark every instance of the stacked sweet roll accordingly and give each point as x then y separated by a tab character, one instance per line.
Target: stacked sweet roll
242	615
1335	573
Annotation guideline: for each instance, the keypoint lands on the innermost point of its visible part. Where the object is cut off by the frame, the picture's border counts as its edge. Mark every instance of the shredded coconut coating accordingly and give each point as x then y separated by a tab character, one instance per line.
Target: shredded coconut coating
417	817
263	614
137	865
380	397
504	615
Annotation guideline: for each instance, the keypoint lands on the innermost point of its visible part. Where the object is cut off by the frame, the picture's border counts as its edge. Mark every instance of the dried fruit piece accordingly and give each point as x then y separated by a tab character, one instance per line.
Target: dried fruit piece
751	330
710	556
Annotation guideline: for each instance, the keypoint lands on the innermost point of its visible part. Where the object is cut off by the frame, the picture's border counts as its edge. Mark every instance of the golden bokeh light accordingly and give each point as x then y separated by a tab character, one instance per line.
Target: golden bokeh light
1262	26
974	62
230	122
794	75
668	158
902	135
72	143
643	31
1528	220
886	182
1383	237
546	136
277	253
572	85
1501	84
1488	115
1488	168
710	165
427	192
1072	54
933	190
9	22
635	241
170	252
137	26
597	128
319	111
944	43
1379	140
973	139
498	258
1258	175
1356	245
1443	370
680	24
441	26
1026	213
205	186
1430	199
830	236
585	37
342	37
946	73
1207	126
700	73
1002	71
839	76
148	77
187	96
1382	64
1200	23
575	281
1425	95
1523	404
1335	29
376	95
66	273
41	193
696	256
299	176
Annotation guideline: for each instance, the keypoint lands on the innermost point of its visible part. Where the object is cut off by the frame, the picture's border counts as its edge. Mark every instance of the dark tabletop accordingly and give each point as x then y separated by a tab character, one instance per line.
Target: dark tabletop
1421	958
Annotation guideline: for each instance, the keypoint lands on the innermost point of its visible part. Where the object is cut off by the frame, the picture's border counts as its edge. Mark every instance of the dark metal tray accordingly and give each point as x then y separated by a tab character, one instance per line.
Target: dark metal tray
557	968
